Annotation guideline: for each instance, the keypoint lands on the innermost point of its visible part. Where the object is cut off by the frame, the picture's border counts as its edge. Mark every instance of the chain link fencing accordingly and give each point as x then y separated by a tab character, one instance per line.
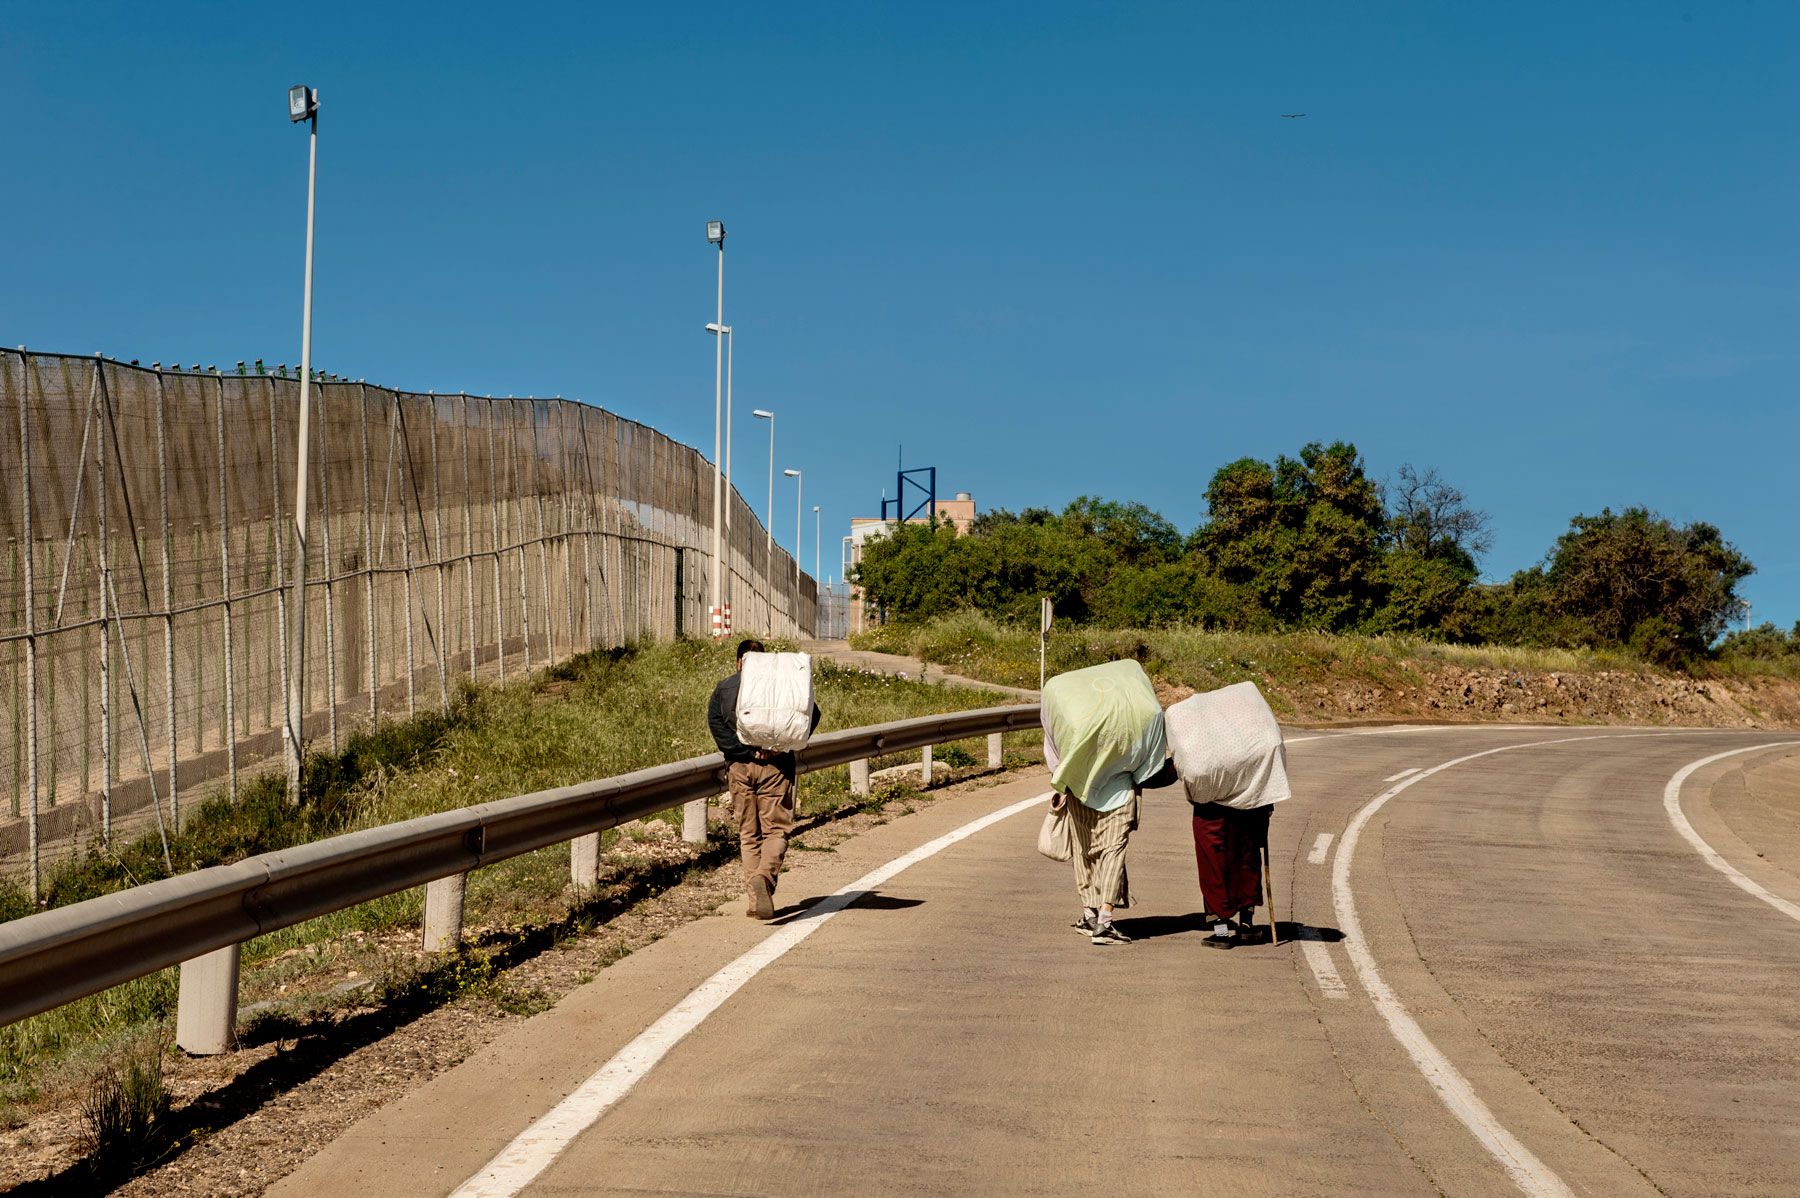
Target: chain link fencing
144	622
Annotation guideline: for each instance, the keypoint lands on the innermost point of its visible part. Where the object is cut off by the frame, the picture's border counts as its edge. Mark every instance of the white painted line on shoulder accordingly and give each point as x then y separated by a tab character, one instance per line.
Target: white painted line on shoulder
1400	775
1672	804
532	1151
1319	849
1331	985
1527	1172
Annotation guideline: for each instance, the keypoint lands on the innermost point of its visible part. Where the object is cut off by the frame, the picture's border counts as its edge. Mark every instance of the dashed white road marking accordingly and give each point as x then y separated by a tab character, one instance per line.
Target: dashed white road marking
1400	775
1672	804
1319	849
1331	985
532	1151
1526	1171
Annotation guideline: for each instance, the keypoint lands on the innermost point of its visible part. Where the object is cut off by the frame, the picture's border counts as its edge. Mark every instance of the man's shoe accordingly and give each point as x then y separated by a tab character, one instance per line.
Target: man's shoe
1221	937
1108	933
762	902
1087	925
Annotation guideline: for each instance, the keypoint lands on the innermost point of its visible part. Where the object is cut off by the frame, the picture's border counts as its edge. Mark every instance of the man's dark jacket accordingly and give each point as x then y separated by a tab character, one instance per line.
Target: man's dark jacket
721	717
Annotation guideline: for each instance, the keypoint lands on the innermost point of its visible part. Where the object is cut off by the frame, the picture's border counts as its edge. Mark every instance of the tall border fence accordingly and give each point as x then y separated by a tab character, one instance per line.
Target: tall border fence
148	529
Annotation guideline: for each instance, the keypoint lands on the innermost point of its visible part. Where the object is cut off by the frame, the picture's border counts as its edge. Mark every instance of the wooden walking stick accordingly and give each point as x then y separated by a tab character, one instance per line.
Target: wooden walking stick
1269	898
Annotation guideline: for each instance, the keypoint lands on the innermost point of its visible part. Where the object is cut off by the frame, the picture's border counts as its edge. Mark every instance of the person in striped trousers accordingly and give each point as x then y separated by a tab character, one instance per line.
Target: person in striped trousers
1113	710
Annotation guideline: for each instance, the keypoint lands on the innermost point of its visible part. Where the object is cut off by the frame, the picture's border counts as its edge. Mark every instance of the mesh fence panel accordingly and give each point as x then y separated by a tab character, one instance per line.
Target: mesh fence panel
145	588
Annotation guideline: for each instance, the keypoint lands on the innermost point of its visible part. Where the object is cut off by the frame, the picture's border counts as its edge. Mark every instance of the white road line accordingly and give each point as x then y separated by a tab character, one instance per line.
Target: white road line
1672	804
532	1151
1319	957
1295	740
1320	847
1400	775
1527	1172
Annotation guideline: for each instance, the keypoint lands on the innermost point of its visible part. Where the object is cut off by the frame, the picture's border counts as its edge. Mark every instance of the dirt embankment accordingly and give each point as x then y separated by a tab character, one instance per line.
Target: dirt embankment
1445	692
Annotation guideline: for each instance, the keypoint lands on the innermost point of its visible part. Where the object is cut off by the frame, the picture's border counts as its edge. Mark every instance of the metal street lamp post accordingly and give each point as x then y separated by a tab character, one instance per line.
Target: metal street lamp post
815	569
303	105
769	518
794	607
715	234
725	581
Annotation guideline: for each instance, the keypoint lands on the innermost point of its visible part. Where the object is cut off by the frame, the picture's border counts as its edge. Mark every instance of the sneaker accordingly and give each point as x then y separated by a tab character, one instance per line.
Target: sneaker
762	902
1108	933
1221	937
1087	925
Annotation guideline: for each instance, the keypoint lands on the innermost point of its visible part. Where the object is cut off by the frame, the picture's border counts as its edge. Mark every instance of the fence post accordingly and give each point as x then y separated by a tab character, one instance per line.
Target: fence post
468	553
295	741
996	747
229	735
206	1012
31	663
584	861
331	569
925	766
168	595
444	913
859	776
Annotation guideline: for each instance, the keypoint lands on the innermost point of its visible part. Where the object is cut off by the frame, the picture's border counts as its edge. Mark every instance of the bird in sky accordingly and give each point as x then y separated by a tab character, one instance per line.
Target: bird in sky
1293	116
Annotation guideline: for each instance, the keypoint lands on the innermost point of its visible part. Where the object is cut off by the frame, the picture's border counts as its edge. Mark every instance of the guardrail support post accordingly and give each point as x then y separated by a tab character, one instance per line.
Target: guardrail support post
584	861
206	1012
996	749
859	776
693	821
925	767
444	913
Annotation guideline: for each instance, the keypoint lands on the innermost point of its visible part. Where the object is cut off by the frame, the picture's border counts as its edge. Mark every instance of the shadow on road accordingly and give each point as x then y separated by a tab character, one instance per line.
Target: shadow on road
1150	927
869	900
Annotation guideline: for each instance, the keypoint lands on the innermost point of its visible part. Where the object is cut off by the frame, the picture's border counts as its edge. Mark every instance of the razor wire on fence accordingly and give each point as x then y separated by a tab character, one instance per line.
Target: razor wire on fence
144	623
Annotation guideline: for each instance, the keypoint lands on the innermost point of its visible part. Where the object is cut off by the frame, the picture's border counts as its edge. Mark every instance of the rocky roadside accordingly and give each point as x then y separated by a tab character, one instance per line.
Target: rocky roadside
1442	692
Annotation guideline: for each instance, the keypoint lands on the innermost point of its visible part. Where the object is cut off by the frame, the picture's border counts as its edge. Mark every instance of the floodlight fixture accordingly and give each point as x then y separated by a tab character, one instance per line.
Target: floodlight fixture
716	329
791	473
715	232
764	415
303	103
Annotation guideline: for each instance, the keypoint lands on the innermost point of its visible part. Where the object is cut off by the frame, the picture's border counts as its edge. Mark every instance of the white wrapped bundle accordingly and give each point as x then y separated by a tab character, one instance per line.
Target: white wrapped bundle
775	701
1227	748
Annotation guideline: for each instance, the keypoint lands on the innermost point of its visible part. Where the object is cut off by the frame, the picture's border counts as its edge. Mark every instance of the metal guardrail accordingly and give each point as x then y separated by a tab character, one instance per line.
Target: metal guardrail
58	956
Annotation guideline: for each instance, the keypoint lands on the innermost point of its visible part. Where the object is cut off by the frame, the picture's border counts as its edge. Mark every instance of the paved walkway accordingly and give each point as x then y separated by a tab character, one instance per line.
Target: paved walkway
1521	979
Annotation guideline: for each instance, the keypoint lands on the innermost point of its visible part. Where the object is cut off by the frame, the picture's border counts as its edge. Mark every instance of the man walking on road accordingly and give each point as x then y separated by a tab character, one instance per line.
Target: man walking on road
762	785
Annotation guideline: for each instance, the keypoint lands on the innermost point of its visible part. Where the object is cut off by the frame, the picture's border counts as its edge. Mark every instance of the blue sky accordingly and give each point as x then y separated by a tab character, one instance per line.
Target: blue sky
1053	249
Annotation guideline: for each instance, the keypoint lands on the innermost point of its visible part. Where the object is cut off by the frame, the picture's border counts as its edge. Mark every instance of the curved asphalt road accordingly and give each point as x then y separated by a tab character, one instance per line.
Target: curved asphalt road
1586	992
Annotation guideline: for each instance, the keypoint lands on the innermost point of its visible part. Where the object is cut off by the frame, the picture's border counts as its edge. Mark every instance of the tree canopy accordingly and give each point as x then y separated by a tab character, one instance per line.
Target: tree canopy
1313	542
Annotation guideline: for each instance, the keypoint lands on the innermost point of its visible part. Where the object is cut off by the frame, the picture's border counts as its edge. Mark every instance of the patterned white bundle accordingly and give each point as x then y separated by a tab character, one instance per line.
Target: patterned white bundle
1227	748
775	701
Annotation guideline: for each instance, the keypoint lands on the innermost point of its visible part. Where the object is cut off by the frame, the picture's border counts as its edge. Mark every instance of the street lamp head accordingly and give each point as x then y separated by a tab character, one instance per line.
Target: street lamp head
763	414
715	232
791	473
716	329
303	102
